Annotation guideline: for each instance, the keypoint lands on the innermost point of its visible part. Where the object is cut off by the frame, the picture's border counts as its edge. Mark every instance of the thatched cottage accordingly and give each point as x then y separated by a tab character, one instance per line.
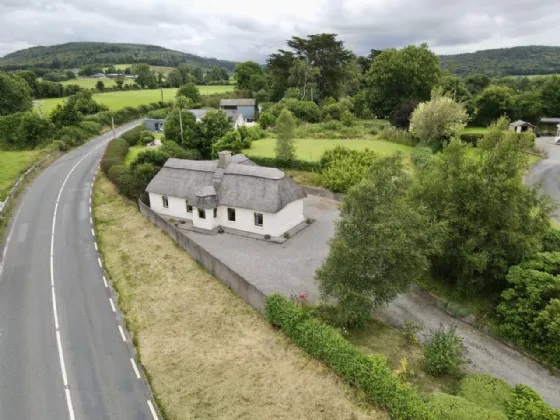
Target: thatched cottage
231	192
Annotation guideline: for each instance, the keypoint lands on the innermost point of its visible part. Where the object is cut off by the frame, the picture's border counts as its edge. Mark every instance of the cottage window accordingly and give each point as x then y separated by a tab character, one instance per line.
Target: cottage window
215	213
165	202
259	219
202	213
231	214
189	209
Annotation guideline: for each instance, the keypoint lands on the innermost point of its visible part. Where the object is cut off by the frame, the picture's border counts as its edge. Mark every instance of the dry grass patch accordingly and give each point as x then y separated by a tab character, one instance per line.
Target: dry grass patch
208	354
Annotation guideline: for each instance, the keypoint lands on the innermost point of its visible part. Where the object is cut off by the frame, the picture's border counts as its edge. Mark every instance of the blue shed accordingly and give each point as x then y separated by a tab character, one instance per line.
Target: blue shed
245	106
154	125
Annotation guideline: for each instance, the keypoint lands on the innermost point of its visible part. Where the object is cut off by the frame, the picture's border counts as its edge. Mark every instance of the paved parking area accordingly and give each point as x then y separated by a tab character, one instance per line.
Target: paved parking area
287	268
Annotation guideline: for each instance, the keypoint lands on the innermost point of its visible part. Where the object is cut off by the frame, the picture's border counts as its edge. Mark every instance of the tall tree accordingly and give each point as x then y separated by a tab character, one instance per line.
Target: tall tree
285	147
550	96
213	126
15	94
528	106
493	103
381	244
189	91
324	52
243	73
476	83
145	76
398	76
279	67
493	220
175	78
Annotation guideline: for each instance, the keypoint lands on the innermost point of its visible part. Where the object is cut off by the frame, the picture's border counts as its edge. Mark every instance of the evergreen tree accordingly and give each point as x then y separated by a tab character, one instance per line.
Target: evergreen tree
285	147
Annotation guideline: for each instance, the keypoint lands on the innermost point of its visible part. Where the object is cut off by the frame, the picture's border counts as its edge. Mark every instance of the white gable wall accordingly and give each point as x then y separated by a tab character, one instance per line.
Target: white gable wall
274	224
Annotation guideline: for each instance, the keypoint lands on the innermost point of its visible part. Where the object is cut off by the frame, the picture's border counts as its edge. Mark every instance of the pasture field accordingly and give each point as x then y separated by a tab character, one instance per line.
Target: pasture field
475	130
120	99
89	82
207	353
312	149
12	164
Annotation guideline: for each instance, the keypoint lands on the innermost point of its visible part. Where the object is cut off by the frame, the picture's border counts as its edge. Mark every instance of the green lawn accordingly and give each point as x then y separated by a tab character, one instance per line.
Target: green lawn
312	149
89	83
132	153
134	98
475	130
12	164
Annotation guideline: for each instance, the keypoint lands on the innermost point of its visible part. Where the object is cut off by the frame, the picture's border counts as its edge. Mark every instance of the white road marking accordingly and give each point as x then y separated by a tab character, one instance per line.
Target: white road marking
95	245
152	410
90	210
99	261
135	368
91	221
92	232
90	201
112	305
105	281
8	241
122	333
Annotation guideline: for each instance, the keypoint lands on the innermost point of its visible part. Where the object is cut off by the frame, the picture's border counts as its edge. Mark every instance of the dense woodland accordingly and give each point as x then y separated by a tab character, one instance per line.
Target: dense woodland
77	54
516	61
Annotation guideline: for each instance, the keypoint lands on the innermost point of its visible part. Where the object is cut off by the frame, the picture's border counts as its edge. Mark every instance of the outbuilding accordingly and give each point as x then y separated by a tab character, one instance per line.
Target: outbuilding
232	192
521	126
155	125
246	106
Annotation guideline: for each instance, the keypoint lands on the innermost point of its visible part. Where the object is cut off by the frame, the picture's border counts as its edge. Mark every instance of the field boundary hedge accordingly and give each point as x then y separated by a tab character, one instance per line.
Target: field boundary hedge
369	373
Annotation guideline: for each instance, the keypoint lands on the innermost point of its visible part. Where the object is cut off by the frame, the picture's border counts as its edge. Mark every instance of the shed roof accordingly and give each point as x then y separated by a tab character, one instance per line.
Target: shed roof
243	184
550	120
520	123
238	102
230	113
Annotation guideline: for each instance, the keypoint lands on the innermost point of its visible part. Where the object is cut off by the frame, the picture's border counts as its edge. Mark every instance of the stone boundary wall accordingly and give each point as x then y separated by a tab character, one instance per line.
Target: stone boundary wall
322	192
221	271
5	204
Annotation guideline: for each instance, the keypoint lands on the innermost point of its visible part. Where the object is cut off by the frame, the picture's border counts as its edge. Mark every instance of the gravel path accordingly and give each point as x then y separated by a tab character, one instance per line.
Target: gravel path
289	268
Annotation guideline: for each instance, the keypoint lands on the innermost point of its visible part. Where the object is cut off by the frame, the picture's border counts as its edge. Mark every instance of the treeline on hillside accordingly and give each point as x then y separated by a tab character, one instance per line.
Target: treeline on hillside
77	54
514	61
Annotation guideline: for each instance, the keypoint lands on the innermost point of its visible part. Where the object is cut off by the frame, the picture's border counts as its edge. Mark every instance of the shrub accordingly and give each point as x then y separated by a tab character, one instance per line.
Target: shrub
231	141
450	407
333	111
526	404
133	135
444	351
296	164
342	168
395	135
471	138
90	127
551	240
421	156
267	119
529	310
369	373
115	153
72	136
158	114
485	391
173	150
146	137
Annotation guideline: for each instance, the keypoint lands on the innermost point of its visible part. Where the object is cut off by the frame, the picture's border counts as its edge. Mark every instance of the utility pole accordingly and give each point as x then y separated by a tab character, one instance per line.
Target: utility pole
161	89
181	124
113	125
39	105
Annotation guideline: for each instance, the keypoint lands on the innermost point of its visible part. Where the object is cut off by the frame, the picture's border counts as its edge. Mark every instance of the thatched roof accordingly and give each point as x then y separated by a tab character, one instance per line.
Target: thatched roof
241	184
238	102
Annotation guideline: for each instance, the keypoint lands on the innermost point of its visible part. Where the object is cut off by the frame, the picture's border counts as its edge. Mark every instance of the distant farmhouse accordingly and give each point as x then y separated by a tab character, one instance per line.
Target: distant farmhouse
235	118
232	192
247	107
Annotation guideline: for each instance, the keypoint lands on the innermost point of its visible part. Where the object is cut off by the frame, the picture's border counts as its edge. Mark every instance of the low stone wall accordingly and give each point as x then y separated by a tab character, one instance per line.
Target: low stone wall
321	192
6	203
221	271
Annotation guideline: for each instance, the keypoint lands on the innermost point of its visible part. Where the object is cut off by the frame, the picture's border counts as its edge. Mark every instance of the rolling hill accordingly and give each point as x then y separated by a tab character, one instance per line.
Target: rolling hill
76	54
516	61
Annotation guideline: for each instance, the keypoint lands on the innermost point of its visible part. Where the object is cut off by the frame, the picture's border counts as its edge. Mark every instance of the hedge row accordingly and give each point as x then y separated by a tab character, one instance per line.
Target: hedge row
369	373
296	164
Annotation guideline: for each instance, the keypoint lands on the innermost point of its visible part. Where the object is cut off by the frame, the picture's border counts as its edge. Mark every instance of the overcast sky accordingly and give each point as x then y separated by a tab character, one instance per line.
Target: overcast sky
251	29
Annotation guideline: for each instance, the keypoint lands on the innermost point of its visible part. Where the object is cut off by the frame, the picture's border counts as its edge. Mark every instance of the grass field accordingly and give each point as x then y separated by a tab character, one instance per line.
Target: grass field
312	149
11	166
132	153
475	130
121	99
89	83
207	353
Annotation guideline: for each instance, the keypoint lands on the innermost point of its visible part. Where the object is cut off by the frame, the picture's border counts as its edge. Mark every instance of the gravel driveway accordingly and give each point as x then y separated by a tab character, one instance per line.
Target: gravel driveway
547	171
289	268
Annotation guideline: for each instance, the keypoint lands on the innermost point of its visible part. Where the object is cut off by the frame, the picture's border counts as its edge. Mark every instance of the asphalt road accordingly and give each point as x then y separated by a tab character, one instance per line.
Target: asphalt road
63	352
547	171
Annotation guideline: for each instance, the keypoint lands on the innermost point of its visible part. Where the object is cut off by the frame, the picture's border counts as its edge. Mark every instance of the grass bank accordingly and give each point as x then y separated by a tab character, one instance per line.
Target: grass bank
312	149
207	353
12	165
120	99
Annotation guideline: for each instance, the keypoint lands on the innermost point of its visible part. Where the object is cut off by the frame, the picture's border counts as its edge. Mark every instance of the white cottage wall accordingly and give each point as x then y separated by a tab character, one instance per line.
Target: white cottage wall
177	206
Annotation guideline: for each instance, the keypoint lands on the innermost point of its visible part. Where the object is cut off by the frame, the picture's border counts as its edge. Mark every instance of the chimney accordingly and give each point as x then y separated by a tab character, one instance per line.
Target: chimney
224	158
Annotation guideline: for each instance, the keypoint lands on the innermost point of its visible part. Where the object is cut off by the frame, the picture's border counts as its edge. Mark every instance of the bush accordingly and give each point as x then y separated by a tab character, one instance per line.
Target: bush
342	168
158	114
551	240
295	164
267	119
398	136
526	404
369	373
132	136
444	351
72	136
231	141
115	154
421	156
90	127
471	138
146	137
485	391
450	407
173	150
333	111
529	310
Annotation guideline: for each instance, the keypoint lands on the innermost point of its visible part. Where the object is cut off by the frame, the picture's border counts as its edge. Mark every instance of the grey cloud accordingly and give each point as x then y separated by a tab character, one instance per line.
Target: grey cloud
252	29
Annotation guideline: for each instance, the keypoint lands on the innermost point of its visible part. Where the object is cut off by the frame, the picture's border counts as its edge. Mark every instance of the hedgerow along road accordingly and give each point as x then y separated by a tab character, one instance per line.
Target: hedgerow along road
64	351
